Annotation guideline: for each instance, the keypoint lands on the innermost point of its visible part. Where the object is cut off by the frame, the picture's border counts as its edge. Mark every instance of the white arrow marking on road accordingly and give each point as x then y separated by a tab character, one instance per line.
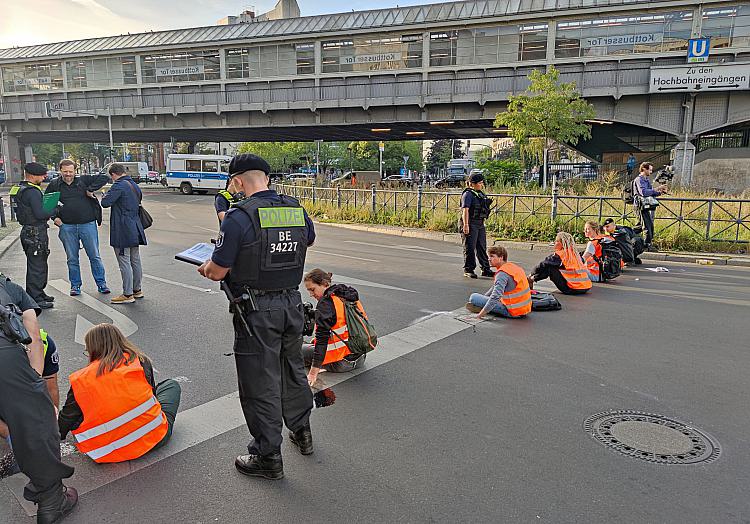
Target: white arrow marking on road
188	286
127	326
82	327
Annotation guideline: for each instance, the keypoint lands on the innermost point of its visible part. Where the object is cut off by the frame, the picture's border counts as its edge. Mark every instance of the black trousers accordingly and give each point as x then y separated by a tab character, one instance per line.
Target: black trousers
542	271
26	407
35	243
647	220
270	372
475	242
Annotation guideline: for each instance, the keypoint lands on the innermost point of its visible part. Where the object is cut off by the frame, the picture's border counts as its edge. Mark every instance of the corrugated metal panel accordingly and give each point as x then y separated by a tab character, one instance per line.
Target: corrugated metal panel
386	18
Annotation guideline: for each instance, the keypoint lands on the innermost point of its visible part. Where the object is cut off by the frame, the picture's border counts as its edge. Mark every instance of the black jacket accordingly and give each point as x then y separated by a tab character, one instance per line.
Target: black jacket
325	318
78	208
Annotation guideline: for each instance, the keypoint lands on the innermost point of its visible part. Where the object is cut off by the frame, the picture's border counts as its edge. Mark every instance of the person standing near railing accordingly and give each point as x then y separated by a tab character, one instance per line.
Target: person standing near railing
475	208
644	201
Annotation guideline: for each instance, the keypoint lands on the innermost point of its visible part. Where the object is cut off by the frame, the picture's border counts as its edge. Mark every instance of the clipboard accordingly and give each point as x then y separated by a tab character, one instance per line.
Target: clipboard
50	200
197	254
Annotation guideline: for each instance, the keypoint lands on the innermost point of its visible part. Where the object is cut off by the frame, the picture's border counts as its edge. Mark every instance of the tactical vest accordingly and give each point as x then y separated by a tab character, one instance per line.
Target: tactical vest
5	299
276	259
23	212
480	205
229	197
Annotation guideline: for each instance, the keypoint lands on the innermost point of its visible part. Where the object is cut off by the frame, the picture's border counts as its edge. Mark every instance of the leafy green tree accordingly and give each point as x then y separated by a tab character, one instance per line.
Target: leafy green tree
505	172
48	154
549	109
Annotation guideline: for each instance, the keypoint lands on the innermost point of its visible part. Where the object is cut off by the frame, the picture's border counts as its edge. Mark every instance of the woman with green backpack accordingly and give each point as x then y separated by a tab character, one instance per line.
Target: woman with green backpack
343	335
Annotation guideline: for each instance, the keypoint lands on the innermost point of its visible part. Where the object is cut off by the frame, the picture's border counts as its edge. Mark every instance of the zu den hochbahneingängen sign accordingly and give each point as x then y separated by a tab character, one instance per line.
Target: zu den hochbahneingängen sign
696	78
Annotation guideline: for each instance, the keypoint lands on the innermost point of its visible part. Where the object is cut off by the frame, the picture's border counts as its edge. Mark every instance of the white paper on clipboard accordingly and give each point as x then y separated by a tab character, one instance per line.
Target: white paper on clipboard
197	254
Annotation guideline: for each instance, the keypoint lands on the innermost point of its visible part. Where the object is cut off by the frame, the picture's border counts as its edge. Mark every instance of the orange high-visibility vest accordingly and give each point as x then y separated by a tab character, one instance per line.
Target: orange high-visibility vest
576	276
337	348
122	419
517	301
592	264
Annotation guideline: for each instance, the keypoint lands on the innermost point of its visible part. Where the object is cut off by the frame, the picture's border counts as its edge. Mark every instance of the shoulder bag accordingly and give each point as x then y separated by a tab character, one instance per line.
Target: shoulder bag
143	215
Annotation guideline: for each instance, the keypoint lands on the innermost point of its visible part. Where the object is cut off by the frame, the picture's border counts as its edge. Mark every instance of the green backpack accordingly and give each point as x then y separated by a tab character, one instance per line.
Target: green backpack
362	335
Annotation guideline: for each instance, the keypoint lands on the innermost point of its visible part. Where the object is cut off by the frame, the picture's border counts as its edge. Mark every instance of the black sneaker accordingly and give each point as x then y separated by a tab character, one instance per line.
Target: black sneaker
302	438
470	274
488	273
43	304
57	507
652	249
268	466
638	261
48	298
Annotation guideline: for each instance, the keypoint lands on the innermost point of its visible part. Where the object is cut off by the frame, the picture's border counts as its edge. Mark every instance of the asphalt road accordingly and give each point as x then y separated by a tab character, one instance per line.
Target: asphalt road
463	426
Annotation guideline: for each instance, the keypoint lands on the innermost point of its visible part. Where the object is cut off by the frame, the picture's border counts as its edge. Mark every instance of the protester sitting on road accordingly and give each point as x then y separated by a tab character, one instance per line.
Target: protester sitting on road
630	243
114	409
564	268
330	350
126	233
509	296
593	252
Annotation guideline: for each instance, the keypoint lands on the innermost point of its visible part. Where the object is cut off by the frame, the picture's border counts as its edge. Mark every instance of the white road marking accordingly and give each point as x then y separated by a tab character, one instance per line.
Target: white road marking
187	286
342	256
82	327
341	279
402	247
170	215
193	200
206	229
127	326
209	420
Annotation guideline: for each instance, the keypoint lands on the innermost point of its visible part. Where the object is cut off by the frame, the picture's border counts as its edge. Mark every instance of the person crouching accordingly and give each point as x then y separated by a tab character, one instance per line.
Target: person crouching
509	296
330	350
114	409
564	268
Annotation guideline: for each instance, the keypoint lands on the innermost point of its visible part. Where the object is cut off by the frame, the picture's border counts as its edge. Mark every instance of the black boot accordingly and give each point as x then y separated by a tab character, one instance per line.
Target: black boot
268	466
302	438
53	508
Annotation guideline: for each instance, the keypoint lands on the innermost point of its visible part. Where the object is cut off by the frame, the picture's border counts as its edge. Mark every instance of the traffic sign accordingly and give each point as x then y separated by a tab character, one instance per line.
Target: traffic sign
381	146
698	49
695	78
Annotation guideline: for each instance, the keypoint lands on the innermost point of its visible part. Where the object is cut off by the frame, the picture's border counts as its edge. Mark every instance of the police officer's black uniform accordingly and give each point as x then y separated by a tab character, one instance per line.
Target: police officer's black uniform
476	240
267	270
34	239
26	408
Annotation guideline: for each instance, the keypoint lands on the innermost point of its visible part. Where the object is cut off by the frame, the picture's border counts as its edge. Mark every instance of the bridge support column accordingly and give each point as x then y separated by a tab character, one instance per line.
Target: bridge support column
10	150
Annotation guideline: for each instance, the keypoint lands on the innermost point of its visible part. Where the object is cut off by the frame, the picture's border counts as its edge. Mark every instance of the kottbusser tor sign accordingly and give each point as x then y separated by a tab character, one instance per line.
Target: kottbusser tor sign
702	77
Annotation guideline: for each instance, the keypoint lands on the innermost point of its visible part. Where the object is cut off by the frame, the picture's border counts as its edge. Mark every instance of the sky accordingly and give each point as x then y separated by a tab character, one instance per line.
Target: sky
31	22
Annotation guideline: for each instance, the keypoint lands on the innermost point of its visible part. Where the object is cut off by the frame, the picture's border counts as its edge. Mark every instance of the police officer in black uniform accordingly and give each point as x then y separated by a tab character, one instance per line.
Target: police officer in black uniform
225	199
28	197
260	256
26	407
475	208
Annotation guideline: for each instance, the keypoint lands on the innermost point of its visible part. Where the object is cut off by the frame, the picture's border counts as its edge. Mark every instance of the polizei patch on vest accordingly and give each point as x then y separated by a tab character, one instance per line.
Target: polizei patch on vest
281	217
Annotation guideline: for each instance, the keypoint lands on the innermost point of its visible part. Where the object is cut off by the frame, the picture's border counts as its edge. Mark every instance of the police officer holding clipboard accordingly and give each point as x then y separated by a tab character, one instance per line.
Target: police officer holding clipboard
260	255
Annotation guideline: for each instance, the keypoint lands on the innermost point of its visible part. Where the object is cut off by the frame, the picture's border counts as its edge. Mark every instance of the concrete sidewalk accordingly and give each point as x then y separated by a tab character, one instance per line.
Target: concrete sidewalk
716	259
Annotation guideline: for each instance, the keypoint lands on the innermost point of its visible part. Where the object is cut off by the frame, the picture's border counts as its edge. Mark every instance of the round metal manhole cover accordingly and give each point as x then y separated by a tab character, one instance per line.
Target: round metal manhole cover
651	437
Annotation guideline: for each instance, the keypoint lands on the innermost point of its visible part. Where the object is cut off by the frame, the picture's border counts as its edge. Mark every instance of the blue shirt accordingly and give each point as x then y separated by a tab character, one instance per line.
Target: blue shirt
642	186
237	230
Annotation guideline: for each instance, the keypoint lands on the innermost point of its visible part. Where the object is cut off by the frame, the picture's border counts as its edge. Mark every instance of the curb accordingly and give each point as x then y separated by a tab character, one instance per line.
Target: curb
8	241
709	259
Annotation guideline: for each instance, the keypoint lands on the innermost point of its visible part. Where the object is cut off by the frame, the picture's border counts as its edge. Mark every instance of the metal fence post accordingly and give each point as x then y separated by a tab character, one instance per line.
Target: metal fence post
554	197
338	196
313	191
374	199
708	221
419	202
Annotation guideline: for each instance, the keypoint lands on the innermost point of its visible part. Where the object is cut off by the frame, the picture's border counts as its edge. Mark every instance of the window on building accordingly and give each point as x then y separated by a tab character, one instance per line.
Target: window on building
443	48
32	77
193	165
372	53
624	35
268	61
180	66
305	54
103	72
727	26
499	44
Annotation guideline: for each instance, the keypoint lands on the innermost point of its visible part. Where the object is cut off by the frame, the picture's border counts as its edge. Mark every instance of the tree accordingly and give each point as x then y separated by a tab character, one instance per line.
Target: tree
47	154
549	109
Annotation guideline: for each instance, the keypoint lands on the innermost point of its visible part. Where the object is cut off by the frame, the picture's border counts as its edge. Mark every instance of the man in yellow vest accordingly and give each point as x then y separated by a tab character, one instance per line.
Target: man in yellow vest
509	296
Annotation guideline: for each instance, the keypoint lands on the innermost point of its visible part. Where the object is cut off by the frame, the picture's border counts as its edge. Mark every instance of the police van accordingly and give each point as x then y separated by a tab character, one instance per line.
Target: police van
138	171
197	173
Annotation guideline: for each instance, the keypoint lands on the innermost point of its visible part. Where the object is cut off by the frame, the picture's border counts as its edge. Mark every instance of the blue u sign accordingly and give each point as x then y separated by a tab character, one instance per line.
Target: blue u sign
698	49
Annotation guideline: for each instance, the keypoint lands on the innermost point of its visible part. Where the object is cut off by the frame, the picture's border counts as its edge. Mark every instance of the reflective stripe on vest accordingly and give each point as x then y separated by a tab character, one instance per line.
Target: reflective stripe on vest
45	342
229	197
518	300
337	348
122	420
576	277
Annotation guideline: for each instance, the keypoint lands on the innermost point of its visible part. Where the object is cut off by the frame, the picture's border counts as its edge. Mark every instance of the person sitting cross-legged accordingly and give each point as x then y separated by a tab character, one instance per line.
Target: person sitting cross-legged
509	296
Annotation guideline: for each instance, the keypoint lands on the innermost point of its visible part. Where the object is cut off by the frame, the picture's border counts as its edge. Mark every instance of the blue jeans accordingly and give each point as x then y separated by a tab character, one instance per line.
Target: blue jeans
479	300
72	236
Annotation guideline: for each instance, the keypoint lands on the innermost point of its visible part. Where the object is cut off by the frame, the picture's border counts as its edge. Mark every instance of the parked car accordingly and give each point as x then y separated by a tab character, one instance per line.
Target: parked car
396	181
300	177
51	175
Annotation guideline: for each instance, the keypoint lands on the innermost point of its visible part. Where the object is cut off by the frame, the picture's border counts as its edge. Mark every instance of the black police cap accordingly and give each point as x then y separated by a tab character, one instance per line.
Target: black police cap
35	168
476	178
248	162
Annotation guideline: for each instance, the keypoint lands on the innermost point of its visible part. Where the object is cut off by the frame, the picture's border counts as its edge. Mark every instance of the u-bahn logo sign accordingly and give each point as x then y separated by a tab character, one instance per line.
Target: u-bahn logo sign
696	78
698	49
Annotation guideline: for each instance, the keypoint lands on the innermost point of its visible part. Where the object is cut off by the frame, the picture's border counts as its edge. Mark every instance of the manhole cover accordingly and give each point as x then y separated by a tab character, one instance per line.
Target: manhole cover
650	437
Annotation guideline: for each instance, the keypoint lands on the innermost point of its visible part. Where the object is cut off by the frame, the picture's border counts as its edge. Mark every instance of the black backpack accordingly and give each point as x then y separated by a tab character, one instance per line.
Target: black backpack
541	301
627	193
610	263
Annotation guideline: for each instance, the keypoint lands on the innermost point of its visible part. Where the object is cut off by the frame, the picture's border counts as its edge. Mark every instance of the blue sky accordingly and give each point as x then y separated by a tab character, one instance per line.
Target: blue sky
30	22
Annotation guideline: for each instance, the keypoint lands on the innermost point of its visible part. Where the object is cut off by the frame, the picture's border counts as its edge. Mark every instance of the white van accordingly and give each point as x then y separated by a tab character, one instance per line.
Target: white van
138	171
199	173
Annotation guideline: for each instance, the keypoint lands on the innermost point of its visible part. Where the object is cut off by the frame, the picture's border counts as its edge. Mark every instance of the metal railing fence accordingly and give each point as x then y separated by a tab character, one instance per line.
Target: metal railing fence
712	219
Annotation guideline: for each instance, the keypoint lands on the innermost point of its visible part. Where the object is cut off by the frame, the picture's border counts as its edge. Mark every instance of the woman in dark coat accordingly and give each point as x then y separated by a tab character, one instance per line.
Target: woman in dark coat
126	232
